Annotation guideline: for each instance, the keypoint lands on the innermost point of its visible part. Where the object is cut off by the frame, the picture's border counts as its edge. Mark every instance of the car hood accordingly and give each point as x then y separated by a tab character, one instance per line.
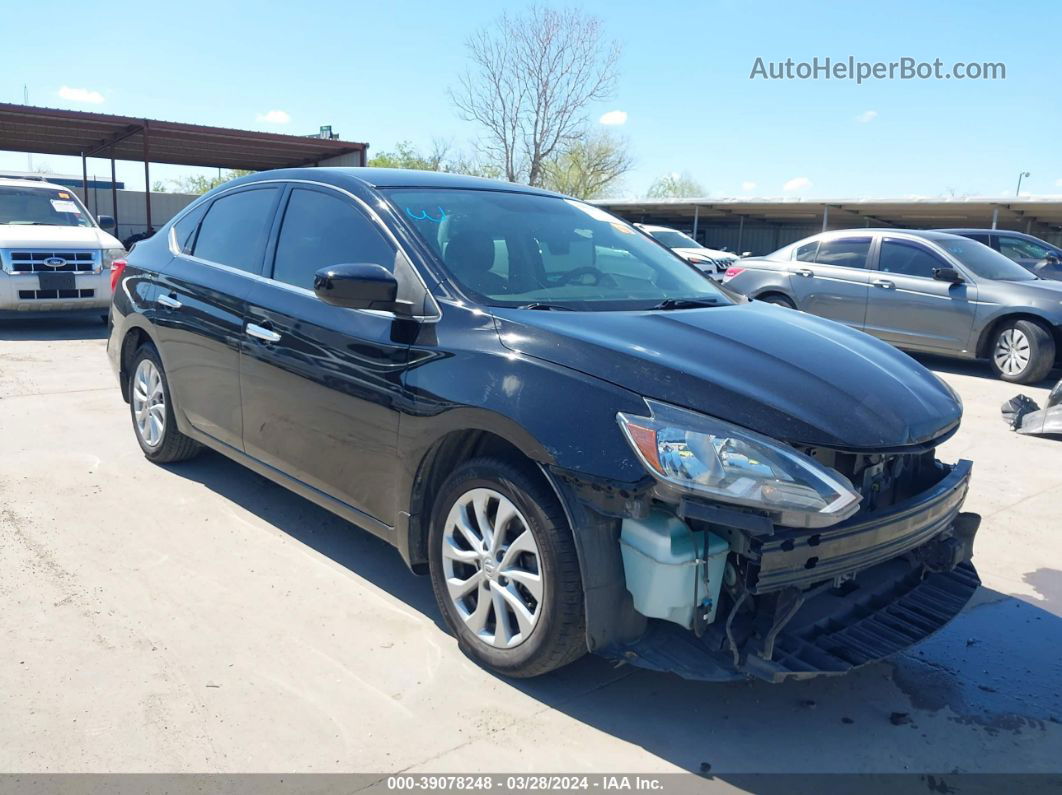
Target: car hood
12	235
705	252
1045	293
783	373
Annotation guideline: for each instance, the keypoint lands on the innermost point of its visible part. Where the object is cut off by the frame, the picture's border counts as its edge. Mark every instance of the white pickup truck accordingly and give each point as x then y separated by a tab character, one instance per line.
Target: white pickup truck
54	256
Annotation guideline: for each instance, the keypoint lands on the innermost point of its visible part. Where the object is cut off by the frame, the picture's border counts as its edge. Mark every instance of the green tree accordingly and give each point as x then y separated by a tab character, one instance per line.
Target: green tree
676	186
199	184
405	155
588	167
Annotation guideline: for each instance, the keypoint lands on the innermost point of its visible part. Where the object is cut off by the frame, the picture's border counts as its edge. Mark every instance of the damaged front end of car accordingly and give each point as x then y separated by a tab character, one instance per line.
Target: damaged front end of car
745	556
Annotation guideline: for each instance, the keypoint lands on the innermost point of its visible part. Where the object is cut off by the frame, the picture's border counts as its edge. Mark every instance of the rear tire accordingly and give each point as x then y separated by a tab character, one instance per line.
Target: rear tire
151	409
777	300
515	605
1021	352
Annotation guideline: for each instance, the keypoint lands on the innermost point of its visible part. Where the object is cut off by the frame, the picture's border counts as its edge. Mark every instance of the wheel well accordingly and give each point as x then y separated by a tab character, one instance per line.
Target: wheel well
775	293
132	342
442	458
990	331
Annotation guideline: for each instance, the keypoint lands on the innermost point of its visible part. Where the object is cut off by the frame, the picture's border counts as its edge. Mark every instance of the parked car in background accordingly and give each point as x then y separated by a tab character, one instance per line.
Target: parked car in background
710	260
921	291
1039	256
54	257
585	443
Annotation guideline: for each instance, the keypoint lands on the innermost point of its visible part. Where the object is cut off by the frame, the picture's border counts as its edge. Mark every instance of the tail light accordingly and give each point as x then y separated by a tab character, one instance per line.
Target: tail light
732	271
117	268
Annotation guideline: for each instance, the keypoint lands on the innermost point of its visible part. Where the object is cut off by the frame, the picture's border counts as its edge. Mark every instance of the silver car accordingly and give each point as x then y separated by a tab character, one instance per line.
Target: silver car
919	290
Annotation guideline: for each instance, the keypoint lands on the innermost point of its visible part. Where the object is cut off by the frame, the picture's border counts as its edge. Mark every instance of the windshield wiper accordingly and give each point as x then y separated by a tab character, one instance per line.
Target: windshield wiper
686	303
546	307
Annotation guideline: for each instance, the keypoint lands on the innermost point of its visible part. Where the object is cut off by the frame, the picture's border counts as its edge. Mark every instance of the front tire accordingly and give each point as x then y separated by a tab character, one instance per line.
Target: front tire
1022	352
151	409
504	569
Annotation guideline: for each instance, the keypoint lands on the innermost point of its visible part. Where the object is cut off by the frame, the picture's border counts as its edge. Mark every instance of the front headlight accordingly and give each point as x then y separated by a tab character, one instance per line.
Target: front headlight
110	255
706	456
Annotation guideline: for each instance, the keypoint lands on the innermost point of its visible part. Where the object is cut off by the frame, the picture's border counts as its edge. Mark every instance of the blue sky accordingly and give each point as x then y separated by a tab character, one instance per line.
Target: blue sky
378	72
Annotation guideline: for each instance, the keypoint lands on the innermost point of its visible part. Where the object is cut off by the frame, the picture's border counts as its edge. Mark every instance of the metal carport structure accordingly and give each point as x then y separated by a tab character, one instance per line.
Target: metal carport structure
26	128
770	223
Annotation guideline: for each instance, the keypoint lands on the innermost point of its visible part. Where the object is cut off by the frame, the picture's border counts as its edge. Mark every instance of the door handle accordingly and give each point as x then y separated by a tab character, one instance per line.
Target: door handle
168	301
805	272
261	333
883	283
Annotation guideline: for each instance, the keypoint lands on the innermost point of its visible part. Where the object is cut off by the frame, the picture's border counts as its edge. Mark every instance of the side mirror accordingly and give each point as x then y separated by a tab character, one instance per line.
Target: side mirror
106	221
746	253
361	285
947	275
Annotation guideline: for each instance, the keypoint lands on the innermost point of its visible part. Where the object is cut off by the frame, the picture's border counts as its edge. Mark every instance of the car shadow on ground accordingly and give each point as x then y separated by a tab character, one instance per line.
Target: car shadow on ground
977	369
44	329
961	700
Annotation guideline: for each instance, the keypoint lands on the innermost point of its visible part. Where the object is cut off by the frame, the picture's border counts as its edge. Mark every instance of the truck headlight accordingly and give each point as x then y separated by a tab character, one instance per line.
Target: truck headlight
110	255
706	456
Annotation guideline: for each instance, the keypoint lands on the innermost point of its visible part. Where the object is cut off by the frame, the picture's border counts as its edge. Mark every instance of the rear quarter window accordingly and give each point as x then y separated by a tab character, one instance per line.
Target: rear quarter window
236	229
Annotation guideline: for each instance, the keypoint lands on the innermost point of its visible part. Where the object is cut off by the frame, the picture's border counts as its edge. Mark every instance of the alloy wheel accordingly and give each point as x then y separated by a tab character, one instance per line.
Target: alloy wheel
1012	352
492	568
149	403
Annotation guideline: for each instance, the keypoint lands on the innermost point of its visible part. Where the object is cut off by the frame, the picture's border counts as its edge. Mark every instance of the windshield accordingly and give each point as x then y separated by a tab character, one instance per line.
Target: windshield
27	206
673	239
984	261
517	249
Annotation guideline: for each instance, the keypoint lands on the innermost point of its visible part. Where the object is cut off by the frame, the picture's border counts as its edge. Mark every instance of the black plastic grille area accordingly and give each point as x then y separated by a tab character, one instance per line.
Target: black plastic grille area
32	295
34	261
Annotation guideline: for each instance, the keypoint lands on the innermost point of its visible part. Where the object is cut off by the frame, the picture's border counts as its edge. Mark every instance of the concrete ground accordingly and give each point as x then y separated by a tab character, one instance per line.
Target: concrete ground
199	618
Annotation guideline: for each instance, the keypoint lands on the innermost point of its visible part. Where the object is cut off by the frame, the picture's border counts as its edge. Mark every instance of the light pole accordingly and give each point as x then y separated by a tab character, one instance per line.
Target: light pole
1021	174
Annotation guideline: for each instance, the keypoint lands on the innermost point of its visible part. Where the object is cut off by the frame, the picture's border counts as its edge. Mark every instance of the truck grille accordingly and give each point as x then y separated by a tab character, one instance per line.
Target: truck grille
33	295
36	261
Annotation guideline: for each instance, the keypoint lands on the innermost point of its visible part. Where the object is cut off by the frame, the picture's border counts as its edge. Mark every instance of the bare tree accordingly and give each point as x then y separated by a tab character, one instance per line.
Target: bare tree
530	82
588	167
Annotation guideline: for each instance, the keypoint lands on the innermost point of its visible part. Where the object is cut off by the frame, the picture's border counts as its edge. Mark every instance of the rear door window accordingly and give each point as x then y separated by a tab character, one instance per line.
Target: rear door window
908	259
806	252
185	229
236	229
848	252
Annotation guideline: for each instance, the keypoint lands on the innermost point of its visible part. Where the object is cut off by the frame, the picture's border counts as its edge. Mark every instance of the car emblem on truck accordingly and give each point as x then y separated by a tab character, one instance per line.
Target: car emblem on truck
55	262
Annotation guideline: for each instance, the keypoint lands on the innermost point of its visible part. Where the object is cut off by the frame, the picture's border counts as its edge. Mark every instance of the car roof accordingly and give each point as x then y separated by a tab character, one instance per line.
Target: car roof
925	234
390	178
971	230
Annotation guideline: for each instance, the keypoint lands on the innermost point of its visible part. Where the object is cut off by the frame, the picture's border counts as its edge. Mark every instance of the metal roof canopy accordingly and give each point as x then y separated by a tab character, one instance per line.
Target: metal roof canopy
25	128
987	211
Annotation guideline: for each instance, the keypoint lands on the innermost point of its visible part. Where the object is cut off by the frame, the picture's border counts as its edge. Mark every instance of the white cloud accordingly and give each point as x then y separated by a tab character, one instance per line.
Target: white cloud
274	117
81	95
797	183
748	185
614	118
1058	183
866	116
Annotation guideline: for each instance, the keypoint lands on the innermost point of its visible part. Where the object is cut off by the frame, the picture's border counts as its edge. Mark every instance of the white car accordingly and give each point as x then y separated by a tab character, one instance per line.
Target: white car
54	256
710	260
